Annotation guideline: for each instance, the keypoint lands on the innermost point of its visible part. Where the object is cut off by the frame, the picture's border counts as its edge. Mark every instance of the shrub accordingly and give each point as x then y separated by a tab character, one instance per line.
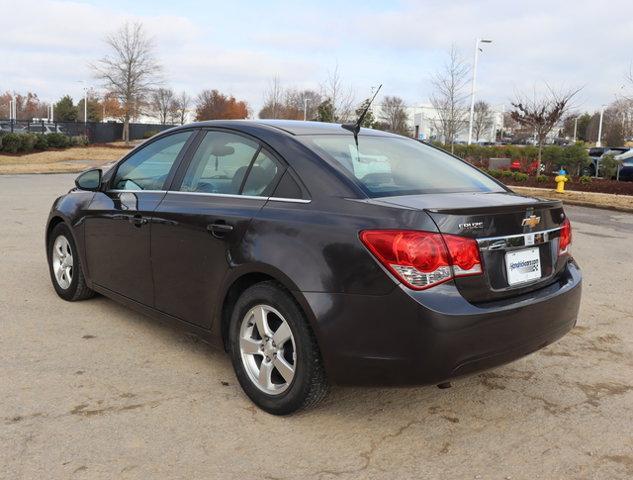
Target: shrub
585	179
608	166
495	173
541	178
506	173
521	177
575	157
58	140
41	143
27	141
11	143
79	141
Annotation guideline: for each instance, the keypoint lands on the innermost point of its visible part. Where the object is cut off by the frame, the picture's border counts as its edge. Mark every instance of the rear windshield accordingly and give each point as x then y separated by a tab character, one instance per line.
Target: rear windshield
390	166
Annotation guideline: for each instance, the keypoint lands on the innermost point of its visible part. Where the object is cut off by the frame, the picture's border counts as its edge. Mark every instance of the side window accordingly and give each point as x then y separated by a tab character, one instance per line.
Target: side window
219	164
261	178
148	168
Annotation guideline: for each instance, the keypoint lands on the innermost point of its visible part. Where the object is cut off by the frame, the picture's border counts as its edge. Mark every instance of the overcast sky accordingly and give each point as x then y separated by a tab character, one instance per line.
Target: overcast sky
237	46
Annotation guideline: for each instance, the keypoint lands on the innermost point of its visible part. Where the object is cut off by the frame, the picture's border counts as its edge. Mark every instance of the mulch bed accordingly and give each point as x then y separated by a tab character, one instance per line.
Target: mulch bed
596	185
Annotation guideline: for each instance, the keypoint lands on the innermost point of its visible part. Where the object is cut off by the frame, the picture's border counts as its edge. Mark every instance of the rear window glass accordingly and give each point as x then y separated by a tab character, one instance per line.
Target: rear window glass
390	166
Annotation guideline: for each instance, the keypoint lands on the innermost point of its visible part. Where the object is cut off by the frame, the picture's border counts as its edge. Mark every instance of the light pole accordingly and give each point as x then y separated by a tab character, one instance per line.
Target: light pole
472	90
599	142
305	108
575	129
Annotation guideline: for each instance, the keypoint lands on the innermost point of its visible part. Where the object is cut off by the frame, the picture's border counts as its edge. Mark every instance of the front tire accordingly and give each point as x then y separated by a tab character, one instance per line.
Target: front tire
274	353
65	266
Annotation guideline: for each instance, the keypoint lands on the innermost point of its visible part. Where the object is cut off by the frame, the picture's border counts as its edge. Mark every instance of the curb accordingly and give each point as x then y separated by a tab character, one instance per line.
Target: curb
551	195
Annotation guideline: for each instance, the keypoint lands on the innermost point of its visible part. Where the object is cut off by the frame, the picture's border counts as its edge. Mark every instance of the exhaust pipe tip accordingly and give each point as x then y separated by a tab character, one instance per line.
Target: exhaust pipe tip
444	385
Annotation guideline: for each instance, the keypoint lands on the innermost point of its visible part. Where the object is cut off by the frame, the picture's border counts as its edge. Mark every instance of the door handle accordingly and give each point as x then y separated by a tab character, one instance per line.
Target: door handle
138	220
220	228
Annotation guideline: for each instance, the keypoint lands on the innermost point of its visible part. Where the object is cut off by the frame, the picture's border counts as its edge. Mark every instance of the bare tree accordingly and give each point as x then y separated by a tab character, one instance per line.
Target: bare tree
341	97
129	70
394	115
449	97
482	119
273	100
541	113
162	104
180	108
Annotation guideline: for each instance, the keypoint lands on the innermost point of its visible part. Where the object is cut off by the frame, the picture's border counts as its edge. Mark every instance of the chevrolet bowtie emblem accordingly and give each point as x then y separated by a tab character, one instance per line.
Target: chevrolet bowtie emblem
531	221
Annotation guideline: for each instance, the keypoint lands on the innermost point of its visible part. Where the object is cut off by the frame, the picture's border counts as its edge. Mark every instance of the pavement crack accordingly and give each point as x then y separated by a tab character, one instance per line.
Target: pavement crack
368	455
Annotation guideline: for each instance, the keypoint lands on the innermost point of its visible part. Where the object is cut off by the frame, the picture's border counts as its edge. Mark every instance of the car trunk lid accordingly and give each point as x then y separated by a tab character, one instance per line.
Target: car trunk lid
510	229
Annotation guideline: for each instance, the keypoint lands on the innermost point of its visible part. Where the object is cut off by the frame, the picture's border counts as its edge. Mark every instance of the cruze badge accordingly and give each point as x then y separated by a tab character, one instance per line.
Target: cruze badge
471	225
531	221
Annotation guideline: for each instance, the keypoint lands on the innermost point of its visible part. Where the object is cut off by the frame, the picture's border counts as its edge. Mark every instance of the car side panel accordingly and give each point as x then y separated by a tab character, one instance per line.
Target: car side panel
317	244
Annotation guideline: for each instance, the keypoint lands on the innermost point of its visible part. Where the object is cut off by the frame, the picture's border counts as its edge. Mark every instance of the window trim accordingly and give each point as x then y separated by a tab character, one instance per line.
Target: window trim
183	151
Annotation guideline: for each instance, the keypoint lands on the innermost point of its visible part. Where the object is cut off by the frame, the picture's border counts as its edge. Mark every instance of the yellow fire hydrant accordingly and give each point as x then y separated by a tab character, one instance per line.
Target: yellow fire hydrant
560	180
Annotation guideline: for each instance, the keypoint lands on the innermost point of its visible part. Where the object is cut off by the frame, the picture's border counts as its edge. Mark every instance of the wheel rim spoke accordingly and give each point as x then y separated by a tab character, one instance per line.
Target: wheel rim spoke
287	371
249	346
282	334
261	321
265	372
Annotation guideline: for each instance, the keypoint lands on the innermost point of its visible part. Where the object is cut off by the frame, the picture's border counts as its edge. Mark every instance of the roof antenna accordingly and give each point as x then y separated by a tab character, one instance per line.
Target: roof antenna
355	127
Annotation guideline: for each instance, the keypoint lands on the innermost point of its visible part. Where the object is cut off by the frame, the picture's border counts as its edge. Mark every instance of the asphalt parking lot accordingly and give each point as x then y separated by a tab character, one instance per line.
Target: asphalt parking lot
94	390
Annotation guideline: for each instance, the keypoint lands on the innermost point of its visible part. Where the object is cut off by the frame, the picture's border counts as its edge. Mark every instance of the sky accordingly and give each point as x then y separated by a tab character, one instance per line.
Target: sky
238	46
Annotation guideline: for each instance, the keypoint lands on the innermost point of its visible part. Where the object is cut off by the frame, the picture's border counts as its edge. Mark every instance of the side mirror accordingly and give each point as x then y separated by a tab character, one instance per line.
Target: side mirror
89	180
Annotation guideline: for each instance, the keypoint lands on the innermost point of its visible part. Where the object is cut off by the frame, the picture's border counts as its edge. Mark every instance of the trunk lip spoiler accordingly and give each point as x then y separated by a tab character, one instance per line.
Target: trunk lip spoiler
539	204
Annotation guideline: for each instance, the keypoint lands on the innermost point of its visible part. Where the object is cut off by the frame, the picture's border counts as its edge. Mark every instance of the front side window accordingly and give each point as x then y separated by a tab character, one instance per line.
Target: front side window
219	164
148	168
389	166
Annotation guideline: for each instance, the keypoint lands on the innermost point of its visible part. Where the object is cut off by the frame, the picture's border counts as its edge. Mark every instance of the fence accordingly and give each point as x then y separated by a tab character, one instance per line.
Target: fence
96	132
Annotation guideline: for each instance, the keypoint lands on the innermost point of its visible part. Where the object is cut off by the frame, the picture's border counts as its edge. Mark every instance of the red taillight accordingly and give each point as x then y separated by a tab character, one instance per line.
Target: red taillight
564	241
423	259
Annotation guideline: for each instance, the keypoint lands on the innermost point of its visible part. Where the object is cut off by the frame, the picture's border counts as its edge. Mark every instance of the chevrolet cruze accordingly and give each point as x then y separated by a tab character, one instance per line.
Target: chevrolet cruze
315	256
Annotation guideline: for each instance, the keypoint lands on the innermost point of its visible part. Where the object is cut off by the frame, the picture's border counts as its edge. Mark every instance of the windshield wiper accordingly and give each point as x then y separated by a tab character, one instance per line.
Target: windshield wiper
355	127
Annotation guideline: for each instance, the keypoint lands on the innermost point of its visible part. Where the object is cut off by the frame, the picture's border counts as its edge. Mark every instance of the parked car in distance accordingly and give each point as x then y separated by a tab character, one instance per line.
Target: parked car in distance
626	165
44	127
315	257
516	166
596	154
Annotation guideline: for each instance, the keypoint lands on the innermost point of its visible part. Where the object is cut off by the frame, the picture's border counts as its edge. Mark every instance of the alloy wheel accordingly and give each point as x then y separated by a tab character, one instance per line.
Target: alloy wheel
62	262
267	349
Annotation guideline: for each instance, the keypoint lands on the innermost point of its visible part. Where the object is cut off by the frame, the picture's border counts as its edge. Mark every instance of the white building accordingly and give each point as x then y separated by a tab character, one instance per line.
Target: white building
424	118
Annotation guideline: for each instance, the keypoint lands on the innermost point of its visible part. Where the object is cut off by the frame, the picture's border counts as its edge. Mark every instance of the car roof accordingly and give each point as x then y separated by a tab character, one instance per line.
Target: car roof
293	127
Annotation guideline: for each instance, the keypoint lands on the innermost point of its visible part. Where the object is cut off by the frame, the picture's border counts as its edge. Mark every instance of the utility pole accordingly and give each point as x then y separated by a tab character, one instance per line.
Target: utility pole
472	89
305	108
575	129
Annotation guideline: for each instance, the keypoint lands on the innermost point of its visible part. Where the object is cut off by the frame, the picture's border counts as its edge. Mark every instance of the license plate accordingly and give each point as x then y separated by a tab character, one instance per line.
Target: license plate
523	265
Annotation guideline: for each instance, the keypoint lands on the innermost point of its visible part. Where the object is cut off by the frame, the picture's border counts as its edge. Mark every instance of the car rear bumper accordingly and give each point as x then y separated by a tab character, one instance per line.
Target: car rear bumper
427	337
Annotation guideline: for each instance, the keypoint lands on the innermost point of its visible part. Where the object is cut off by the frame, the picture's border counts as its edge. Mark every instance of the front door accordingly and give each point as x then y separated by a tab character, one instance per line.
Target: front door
117	225
198	225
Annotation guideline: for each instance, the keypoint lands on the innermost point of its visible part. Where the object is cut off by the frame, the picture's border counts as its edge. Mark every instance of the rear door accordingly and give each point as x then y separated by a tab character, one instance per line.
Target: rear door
199	223
117	226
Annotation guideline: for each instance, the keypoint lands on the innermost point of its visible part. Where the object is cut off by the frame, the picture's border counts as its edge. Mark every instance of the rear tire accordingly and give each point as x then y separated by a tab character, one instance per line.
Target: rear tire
280	369
65	267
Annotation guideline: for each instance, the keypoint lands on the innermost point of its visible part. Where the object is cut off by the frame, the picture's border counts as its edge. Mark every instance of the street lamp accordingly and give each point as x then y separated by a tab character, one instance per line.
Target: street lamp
599	142
472	91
